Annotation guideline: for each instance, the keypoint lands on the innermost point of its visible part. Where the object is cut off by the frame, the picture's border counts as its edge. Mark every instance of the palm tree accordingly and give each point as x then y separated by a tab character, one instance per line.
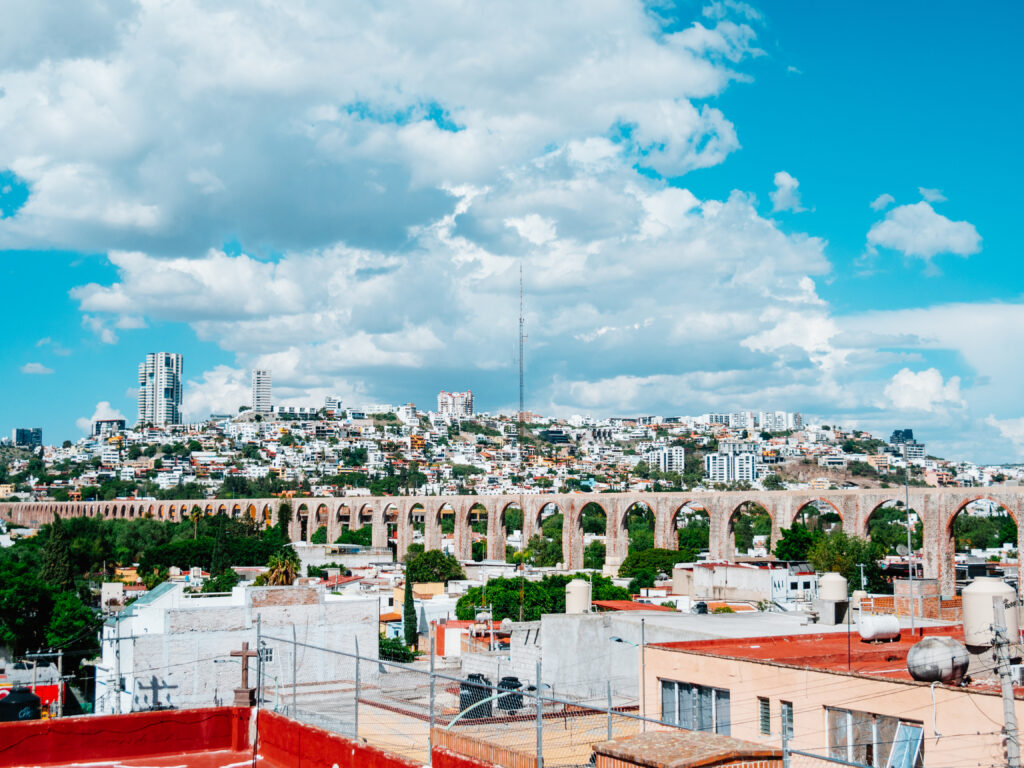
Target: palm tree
282	568
195	516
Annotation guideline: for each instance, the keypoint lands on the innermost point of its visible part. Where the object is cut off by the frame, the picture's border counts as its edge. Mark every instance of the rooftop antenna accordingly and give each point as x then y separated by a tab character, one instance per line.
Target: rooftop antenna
522	338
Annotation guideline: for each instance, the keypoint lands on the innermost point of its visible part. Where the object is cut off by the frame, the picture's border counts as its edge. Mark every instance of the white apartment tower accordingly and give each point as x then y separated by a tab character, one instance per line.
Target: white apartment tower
455	403
160	389
261	402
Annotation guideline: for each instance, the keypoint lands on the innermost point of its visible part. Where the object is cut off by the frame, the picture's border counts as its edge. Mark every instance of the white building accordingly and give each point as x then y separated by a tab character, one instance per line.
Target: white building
175	647
160	389
734	462
457	404
668	459
261	395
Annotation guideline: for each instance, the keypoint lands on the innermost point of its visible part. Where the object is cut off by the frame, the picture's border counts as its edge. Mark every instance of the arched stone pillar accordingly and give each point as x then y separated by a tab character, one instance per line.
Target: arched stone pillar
463	534
432	530
572	532
379	531
495	506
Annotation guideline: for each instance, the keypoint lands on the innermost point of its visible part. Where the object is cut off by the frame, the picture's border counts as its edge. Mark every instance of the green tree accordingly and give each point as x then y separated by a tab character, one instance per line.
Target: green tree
506	597
594	555
284	518
72	623
57	570
643	579
844	554
433	566
773	483
219	561
794	543
654	560
319	535
409	614
361	536
392	649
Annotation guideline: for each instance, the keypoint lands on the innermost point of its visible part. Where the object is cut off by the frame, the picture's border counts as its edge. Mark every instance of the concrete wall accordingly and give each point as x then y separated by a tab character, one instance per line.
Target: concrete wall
187	663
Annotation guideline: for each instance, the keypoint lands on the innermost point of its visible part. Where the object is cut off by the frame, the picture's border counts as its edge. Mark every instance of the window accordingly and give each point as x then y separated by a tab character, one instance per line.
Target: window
881	741
786	719
764	711
792	585
267	654
695	707
807	585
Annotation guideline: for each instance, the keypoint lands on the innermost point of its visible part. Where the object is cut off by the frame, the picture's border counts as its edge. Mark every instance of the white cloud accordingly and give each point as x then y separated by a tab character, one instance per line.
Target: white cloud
35	368
785	196
917	230
104	410
220	390
1010	429
98	326
923	391
54	346
932	195
882	202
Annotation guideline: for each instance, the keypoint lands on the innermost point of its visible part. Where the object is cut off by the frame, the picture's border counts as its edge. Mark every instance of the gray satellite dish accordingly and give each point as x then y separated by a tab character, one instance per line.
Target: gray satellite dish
902	550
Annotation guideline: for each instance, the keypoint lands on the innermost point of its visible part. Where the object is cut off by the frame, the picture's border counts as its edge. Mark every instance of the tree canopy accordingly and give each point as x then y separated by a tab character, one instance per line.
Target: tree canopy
432	566
539	597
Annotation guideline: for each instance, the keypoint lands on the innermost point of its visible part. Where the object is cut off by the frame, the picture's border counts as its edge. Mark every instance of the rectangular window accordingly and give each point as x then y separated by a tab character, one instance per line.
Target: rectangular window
881	741
764	711
695	707
786	718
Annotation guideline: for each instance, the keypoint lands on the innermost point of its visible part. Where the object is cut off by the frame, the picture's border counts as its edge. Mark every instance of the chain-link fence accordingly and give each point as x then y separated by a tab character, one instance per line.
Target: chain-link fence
410	708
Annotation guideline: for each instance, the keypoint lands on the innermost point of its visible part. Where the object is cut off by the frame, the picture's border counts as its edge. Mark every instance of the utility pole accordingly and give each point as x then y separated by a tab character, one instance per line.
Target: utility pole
1002	648
117	669
60	683
910	540
863	578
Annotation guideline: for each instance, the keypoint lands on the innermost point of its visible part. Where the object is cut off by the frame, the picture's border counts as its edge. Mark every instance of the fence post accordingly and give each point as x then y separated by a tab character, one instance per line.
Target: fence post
610	732
295	673
430	738
540	723
355	708
259	662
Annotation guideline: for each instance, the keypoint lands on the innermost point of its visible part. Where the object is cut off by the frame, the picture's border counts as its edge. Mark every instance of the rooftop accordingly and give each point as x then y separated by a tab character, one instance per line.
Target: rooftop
629	605
833	652
684	749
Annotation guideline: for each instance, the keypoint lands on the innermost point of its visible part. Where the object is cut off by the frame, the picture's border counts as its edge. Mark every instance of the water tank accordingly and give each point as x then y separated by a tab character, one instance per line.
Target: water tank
476	688
979	615
20	704
512	701
577	596
938	659
857	596
878	627
832	586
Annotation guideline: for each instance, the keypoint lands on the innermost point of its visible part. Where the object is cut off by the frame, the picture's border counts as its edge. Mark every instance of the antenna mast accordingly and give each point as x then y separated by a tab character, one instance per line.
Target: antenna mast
522	324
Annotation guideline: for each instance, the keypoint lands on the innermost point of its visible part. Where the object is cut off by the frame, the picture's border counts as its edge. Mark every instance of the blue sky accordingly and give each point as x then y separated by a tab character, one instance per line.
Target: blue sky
697	192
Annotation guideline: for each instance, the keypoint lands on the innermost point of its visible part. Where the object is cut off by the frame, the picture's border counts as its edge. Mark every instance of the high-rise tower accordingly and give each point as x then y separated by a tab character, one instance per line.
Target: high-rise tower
261	400
160	389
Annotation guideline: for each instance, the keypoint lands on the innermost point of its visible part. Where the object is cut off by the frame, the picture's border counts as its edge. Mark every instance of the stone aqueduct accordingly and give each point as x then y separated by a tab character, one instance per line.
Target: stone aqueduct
938	507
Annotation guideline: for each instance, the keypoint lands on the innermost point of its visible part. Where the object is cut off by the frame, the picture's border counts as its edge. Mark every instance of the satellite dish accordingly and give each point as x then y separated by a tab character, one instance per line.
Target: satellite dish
902	550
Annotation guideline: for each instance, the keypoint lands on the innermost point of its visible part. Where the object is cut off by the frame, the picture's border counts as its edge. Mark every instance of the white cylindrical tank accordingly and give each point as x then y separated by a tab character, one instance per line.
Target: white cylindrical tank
978	612
832	586
883	626
938	659
577	596
858	595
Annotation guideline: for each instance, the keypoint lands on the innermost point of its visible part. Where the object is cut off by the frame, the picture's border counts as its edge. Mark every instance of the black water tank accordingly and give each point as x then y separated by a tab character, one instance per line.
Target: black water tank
700	607
511	701
475	689
20	704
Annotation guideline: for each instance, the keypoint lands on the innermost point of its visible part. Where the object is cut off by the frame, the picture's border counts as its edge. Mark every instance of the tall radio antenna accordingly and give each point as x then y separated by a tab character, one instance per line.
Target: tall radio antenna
522	338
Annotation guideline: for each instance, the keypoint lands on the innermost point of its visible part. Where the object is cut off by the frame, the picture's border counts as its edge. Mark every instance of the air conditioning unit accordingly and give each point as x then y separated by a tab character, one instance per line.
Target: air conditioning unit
1017	674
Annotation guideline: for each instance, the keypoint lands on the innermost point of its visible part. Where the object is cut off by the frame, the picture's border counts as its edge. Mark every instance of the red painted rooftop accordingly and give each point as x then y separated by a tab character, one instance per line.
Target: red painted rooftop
629	605
825	652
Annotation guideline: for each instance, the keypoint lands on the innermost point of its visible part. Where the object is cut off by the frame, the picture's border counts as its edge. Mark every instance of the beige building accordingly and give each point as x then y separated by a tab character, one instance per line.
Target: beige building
850	704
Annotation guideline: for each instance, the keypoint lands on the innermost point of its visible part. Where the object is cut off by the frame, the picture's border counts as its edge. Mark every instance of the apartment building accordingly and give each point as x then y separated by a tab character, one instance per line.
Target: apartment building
160	389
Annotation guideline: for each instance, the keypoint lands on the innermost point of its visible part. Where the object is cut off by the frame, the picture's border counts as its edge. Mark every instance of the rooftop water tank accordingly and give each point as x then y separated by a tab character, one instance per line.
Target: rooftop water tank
857	596
938	659
577	596
832	586
978	612
874	627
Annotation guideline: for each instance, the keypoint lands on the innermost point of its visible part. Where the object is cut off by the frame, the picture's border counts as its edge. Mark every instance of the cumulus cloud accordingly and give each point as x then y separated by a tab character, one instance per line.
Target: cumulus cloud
932	195
785	196
923	391
1010	429
882	202
104	410
54	346
98	326
35	368
918	230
